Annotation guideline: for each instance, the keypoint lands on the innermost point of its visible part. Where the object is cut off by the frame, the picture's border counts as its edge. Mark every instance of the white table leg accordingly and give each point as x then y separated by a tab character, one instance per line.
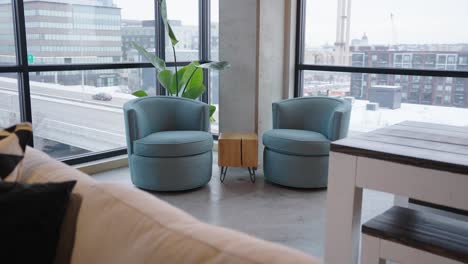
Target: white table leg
344	201
401	201
370	250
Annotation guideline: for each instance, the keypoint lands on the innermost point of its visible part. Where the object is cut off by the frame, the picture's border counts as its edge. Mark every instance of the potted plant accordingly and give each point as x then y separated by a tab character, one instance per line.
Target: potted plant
184	82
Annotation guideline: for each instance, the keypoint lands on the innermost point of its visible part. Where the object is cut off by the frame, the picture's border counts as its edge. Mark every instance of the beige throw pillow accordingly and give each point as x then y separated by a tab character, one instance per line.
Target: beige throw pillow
13	141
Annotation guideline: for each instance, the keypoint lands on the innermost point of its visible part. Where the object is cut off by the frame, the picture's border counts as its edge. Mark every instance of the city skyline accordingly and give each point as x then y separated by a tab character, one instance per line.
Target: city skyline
132	10
416	21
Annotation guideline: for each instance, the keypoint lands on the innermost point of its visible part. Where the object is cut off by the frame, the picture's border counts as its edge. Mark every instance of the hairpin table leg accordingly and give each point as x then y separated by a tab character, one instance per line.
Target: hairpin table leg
252	174
222	176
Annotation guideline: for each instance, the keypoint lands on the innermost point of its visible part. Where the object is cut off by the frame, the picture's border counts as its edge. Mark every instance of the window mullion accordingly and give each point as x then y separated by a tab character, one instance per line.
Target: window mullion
204	17
22	61
300	42
160	42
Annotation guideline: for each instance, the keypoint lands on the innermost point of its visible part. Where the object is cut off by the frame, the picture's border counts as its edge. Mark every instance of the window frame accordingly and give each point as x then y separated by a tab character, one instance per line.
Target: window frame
301	67
22	67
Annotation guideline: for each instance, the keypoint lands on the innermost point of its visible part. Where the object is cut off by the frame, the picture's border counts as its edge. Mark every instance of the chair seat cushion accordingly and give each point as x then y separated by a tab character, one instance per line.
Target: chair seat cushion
297	142
174	144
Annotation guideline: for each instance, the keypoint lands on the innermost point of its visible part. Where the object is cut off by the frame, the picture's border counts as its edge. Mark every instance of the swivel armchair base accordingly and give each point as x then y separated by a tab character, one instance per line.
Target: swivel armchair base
295	171
171	174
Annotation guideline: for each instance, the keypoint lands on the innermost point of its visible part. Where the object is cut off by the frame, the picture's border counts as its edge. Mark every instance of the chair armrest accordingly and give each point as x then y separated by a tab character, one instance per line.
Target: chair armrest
206	123
339	123
325	115
276	121
287	115
131	128
193	115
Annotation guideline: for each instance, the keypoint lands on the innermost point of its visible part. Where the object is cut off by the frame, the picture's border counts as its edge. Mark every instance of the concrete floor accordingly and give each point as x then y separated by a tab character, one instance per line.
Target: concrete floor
295	218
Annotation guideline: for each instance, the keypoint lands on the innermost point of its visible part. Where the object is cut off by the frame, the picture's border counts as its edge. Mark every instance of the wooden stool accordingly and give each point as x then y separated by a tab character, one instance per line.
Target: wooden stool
407	236
238	150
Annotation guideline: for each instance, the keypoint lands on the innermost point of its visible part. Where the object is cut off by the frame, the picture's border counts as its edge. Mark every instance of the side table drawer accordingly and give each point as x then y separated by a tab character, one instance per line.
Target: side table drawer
229	153
250	152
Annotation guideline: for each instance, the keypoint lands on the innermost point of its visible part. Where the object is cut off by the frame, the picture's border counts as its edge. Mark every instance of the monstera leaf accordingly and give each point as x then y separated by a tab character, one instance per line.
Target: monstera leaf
193	92
177	81
186	81
193	76
140	93
192	81
215	65
191	69
158	63
212	111
170	32
165	78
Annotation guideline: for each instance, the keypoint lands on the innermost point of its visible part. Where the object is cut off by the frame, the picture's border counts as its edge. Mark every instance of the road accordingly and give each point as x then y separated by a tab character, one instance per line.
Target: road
67	116
71	93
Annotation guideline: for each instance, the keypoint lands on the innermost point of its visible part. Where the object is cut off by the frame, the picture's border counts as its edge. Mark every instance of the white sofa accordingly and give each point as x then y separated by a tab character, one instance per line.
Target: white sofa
122	224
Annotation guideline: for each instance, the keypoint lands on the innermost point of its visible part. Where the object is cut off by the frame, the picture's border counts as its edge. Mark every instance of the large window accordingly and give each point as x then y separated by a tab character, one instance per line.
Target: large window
374	53
69	66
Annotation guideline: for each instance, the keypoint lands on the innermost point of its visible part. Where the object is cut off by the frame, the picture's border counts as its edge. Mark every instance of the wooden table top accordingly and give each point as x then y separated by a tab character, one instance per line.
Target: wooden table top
247	136
432	146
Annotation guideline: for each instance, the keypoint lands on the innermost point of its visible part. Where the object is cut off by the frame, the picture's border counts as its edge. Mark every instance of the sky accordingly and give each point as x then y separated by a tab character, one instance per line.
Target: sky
416	21
185	10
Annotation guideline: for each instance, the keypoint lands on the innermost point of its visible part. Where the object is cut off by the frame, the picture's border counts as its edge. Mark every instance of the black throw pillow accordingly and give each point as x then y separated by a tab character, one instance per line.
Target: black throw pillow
30	220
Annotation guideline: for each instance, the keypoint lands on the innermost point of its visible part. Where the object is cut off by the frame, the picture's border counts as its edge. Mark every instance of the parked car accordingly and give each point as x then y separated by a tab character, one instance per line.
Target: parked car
102	97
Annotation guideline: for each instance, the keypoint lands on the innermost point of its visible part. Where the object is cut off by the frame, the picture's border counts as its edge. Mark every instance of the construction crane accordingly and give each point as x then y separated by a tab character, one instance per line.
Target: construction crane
342	32
394	30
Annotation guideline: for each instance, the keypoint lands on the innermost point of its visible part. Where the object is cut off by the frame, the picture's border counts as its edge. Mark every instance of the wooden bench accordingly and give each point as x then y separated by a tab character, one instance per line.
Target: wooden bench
407	236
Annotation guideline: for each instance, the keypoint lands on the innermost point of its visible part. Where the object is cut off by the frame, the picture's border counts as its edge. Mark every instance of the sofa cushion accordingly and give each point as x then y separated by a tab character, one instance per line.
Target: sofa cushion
120	224
38	167
297	142
174	144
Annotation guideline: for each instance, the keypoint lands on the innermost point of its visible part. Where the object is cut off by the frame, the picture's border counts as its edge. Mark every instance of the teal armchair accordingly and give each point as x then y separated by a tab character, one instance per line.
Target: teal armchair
297	148
169	143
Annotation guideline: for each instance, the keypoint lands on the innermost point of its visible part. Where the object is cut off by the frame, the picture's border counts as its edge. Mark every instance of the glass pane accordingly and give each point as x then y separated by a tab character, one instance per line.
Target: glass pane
214	100
84	31
77	112
183	18
7	35
396	34
9	101
376	97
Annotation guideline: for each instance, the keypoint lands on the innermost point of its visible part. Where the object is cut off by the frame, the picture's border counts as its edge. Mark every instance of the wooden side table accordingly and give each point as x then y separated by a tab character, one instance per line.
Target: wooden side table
238	150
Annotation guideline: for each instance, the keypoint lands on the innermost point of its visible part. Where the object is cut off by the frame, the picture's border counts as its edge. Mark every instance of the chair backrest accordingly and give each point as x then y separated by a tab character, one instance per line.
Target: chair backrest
320	114
147	115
